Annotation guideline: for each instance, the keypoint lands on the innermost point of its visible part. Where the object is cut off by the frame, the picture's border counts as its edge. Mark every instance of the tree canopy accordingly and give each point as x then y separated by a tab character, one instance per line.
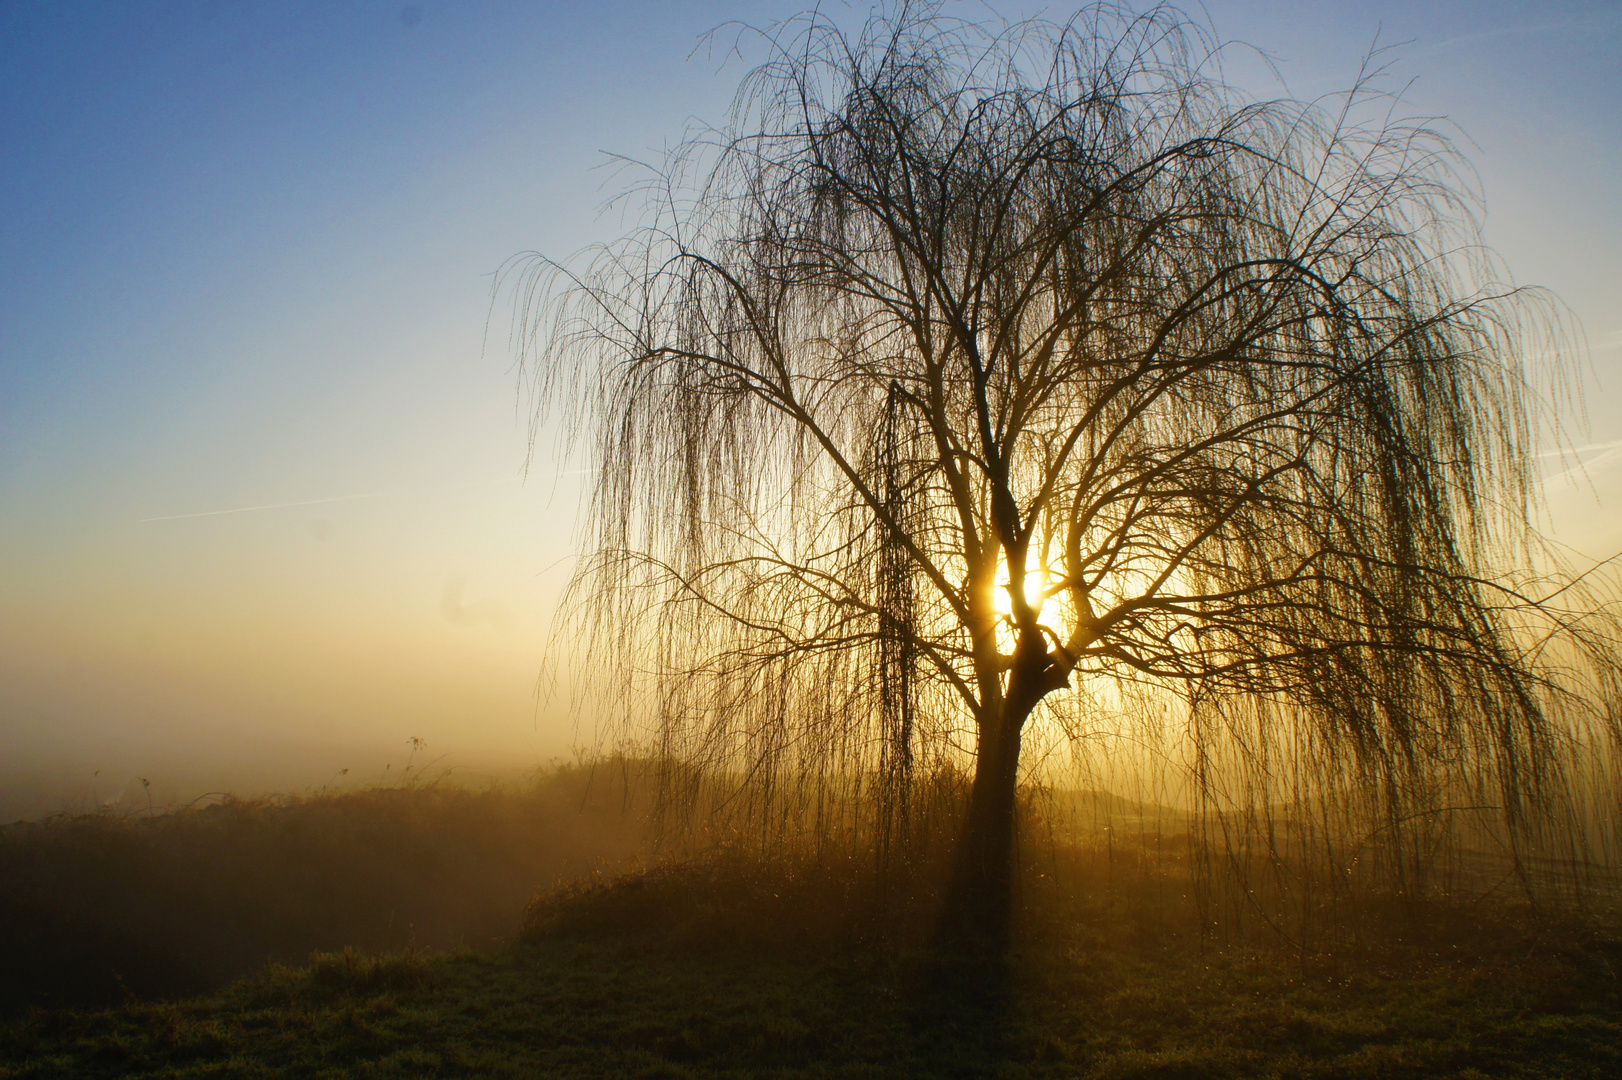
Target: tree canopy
983	381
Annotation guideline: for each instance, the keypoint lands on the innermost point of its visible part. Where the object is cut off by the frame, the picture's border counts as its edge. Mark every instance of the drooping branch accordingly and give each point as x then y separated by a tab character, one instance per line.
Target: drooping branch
953	308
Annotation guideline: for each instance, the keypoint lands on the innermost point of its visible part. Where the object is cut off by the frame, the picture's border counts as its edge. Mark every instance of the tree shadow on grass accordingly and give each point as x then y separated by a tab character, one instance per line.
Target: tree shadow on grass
960	1011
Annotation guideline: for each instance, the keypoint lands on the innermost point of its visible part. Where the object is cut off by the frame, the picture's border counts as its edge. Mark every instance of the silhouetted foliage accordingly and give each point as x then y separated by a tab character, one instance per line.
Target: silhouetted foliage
990	387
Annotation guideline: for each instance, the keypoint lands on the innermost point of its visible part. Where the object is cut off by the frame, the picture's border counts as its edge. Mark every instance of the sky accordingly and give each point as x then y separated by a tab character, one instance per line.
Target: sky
267	508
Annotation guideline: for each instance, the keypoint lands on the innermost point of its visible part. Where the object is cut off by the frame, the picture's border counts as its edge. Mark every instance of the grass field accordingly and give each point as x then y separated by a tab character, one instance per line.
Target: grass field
119	938
1081	1000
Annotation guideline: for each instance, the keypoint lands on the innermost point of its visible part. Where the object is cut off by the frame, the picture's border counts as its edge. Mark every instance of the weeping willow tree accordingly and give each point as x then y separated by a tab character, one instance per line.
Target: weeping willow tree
976	371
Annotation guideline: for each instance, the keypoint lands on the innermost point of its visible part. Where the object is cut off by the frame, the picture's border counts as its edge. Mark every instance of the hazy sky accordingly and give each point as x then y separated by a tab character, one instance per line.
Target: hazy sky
261	516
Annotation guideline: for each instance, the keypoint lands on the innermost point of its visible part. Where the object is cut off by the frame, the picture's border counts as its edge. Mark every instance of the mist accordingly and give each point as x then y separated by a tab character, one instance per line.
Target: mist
271	508
1076	543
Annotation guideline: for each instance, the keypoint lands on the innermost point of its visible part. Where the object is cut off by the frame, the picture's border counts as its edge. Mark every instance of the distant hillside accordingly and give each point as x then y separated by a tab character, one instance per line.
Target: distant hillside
96	904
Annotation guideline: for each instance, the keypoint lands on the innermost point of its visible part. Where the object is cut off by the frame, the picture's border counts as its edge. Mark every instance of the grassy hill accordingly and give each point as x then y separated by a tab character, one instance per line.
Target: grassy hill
665	975
97	905
569	1008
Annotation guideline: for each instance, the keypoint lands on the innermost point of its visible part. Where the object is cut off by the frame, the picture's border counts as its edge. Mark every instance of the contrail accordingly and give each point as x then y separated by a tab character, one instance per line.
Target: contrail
342	498
1588	449
267	506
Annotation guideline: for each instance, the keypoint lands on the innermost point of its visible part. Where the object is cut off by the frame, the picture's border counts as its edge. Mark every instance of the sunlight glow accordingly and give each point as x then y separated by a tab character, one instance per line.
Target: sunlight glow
1034	585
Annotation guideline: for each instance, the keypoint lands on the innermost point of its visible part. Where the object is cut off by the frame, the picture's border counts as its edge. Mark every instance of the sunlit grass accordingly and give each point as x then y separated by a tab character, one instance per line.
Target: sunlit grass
751	961
1095	997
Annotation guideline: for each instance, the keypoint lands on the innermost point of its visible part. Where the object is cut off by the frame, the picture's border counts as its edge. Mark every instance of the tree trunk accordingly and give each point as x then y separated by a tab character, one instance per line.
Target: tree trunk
979	900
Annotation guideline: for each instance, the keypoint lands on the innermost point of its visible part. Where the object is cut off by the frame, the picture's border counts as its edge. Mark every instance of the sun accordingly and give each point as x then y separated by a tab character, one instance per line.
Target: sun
1034	587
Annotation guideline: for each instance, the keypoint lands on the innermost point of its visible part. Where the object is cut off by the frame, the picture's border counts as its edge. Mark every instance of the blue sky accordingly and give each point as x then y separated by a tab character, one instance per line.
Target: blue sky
246	263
